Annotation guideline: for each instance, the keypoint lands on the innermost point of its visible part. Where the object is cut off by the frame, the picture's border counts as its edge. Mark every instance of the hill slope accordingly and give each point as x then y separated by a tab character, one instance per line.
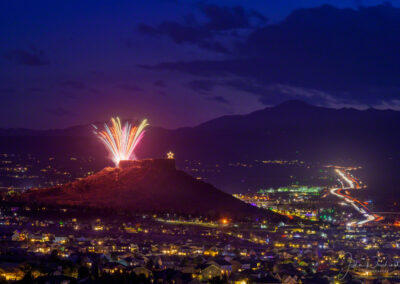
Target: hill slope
146	189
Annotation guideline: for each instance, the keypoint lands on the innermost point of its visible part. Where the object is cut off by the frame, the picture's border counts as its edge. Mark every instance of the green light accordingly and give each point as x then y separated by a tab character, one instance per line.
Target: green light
301	189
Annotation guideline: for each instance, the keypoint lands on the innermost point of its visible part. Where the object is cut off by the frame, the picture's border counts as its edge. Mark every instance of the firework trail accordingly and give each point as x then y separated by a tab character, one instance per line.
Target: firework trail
120	140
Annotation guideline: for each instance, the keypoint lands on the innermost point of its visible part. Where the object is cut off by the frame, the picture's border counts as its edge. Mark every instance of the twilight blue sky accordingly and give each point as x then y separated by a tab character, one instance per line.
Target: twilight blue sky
180	63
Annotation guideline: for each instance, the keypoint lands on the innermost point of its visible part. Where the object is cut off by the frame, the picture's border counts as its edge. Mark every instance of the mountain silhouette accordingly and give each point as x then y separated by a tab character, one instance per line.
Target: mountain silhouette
291	130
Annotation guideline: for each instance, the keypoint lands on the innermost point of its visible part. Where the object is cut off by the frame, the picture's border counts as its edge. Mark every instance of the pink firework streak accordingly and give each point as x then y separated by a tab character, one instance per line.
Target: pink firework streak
121	141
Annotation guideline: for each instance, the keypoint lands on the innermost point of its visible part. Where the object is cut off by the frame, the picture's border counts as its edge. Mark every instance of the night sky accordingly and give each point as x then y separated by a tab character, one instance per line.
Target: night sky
180	63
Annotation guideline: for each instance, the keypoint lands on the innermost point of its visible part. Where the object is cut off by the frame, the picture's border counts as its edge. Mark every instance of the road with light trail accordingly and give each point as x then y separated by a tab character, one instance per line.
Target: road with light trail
358	205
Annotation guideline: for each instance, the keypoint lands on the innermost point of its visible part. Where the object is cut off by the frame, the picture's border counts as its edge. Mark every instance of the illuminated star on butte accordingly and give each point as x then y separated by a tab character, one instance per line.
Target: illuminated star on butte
170	155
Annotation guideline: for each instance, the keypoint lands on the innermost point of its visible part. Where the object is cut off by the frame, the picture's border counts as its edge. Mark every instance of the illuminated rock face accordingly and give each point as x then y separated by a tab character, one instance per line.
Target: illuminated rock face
162	164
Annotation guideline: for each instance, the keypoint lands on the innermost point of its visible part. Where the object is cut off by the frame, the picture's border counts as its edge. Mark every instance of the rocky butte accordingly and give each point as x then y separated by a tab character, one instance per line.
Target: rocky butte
147	186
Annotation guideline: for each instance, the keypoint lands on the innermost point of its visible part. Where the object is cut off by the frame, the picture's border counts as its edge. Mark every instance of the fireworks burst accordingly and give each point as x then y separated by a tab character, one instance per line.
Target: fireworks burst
120	140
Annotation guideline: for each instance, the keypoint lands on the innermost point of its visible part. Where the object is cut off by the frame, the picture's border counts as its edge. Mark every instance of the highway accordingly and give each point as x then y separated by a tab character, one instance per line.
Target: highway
342	193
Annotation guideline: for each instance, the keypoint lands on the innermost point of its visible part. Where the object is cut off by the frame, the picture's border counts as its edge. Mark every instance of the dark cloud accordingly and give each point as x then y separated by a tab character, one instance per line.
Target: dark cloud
274	93
162	93
68	88
98	73
247	86
35	90
147	29
219	99
205	87
94	91
68	94
129	87
59	111
182	33
78	85
327	52
159	83
205	35
6	91
31	57
202	86
213	45
127	42
229	18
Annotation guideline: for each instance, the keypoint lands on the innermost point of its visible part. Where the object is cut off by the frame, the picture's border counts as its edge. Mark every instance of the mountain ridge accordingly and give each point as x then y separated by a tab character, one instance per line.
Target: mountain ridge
85	129
283	131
